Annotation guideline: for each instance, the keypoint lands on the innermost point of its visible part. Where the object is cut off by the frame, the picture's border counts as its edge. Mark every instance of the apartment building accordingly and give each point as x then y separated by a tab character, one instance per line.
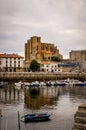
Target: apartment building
11	63
50	67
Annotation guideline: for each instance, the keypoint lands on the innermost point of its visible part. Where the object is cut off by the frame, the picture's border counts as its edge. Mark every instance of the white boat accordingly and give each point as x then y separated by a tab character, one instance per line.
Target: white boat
26	84
42	84
19	84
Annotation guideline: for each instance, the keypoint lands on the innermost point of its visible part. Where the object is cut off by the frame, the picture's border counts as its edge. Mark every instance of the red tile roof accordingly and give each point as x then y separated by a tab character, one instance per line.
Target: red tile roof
47	62
46	52
5	55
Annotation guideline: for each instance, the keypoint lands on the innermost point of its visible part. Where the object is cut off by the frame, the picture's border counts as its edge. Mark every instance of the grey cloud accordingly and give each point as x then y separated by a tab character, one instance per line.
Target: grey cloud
62	22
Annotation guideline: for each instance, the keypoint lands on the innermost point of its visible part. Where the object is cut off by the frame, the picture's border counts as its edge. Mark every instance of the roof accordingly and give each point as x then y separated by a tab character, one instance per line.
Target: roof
78	51
5	55
47	62
47	52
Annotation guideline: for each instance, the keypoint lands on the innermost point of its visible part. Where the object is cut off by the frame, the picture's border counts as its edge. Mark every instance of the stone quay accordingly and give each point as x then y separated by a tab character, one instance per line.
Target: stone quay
41	76
80	118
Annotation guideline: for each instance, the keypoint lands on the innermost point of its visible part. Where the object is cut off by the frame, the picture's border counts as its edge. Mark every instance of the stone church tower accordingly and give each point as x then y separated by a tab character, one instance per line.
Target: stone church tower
35	49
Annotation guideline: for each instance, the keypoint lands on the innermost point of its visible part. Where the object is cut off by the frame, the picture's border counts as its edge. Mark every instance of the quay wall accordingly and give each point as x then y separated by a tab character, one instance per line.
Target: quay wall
30	76
80	118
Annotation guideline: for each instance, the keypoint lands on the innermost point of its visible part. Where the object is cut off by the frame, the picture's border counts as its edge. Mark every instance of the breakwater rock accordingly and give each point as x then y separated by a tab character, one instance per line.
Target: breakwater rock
40	76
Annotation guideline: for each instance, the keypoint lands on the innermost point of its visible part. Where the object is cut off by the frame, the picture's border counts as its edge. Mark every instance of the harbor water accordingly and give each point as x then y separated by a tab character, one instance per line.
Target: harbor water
62	102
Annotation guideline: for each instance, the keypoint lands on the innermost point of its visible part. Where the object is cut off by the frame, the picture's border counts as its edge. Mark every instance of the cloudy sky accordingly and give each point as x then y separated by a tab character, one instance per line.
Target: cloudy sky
62	22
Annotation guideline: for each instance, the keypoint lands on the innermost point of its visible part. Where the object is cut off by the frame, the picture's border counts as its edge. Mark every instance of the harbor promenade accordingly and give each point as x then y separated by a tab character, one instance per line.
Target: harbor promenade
26	76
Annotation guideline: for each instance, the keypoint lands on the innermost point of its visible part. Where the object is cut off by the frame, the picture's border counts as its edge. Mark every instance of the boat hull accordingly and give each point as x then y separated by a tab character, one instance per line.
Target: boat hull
36	117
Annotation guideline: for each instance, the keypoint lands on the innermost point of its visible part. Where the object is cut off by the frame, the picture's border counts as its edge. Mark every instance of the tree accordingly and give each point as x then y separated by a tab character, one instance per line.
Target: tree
55	58
34	65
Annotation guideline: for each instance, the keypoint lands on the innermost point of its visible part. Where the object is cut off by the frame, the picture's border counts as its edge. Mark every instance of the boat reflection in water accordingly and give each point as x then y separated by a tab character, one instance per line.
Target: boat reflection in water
10	95
40	96
37	98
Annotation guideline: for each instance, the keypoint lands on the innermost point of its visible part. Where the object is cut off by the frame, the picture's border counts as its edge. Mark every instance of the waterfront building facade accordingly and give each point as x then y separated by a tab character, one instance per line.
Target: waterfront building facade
69	67
50	67
79	56
11	63
35	49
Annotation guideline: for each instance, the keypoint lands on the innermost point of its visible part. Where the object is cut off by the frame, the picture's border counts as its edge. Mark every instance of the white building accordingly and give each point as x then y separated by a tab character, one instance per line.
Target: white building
11	62
50	67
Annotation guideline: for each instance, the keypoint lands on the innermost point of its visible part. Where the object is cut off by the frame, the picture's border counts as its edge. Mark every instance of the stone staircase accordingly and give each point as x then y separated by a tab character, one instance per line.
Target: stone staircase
80	118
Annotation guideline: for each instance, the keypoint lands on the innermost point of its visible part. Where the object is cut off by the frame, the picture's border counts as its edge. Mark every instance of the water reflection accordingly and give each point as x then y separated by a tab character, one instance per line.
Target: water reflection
63	102
10	95
39	97
33	98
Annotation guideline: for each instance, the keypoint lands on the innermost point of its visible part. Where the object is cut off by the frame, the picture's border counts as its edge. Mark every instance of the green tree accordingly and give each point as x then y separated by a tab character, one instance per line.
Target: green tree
34	65
55	58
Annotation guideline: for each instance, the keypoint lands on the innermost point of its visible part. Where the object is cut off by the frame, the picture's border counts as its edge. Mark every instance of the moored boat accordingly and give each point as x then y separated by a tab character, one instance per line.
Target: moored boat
36	117
2	84
18	84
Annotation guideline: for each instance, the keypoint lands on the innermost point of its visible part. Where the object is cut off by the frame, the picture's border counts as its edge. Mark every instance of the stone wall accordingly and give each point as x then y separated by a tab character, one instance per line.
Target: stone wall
80	118
40	76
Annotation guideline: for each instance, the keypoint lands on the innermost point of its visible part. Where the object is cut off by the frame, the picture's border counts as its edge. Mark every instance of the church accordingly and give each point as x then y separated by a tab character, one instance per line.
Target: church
40	51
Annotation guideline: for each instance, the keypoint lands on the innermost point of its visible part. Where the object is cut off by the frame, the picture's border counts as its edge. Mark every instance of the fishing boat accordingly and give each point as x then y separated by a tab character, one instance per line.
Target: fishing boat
36	117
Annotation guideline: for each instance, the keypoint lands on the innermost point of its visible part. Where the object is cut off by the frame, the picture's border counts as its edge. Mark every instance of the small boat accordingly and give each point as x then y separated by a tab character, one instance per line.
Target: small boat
26	84
18	84
35	84
2	84
36	117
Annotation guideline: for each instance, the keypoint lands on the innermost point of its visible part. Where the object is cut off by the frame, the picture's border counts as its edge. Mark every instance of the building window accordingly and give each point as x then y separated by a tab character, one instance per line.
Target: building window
55	66
46	49
14	62
6	65
37	48
10	70
18	62
19	66
14	69
37	39
52	66
6	69
48	57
